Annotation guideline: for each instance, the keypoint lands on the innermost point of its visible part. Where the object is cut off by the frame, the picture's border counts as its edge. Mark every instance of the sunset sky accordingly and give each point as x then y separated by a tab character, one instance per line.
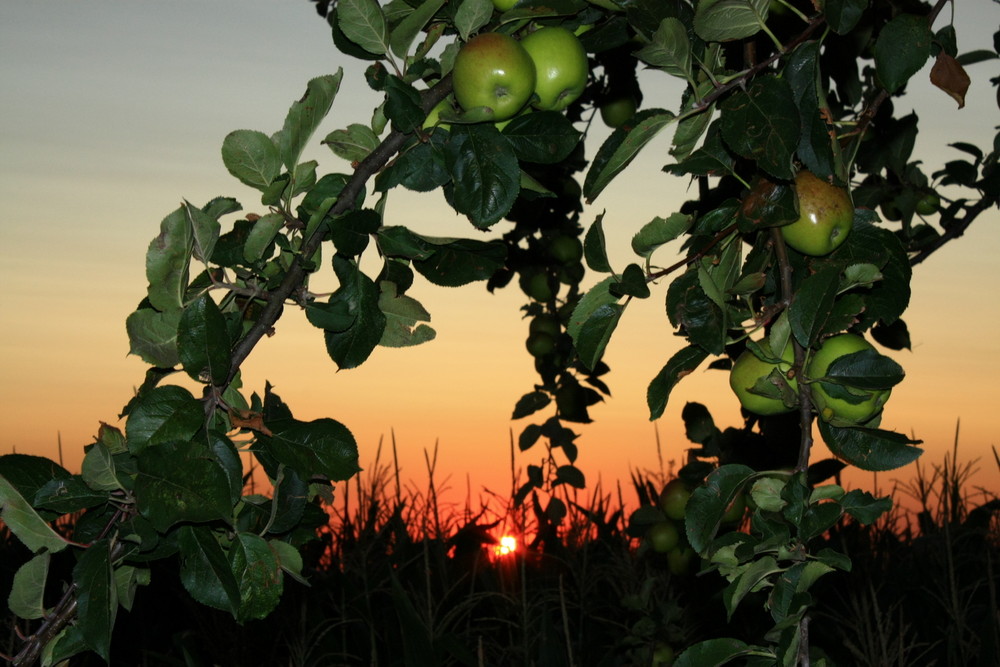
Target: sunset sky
115	112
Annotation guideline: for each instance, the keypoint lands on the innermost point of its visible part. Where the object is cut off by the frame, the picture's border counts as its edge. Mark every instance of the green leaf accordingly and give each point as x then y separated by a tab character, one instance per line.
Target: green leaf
713	653
619	149
902	48
812	304
354	143
363	22
203	341
472	15
305	115
359	295
22	520
180	482
27	591
669	49
402	313
421	167
543	137
98	469
682	363
595	250
660	231
762	124
816	143
258	574
96	600
568	474
205	571
407	30
352	231
704	509
843	15
251	157
163	414
485	173
866	370
596	297
593	336
402	105
632	282
870	449
205	228
152	336
322	447
727	20
712	158
128	578
72	494
262	235
456	262
690	308
865	507
752	577
530	403
168	260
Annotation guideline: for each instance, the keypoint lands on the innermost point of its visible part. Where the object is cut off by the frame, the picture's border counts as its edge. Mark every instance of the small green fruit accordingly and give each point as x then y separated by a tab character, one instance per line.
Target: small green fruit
540	344
674	498
748	370
831	408
560	67
617	111
493	70
680	561
566	249
663	536
826	216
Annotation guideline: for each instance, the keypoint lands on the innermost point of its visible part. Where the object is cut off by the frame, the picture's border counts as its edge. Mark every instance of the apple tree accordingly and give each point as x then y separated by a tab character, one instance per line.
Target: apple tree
797	249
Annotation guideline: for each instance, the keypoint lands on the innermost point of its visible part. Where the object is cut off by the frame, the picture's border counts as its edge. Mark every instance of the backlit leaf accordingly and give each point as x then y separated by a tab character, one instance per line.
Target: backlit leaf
684	362
902	48
870	449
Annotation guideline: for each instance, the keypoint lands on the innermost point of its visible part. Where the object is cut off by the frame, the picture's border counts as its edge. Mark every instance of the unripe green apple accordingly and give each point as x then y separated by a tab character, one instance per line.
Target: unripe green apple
537	286
928	204
545	324
566	249
748	369
663	655
617	111
493	70
560	67
680	560
663	536
504	5
434	116
831	408
674	498
540	344
826	216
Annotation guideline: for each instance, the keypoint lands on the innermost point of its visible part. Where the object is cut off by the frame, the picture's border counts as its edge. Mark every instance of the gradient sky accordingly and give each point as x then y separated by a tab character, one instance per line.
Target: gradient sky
114	112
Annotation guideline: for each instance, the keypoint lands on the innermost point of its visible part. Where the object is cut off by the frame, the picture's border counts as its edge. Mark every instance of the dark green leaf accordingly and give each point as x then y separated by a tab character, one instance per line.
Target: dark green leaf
96	599
819	518
754	575
258	574
163	414
530	403
402	315
354	143
704	509
631	283
710	159
68	495
660	231
690	308
593	335
619	149
420	168
168	260
866	370
457	262
406	31
472	15
684	362
843	15
865	507
485	173
359	294
321	447
762	124
870	449
812	304
402	105
713	653
25	523
595	249
727	20
152	336
669	49
351	231
27	591
203	341
902	48
205	571
543	137
179	482
816	141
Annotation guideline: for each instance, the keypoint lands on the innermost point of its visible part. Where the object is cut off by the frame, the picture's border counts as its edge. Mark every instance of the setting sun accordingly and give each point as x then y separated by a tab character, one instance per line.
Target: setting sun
507	546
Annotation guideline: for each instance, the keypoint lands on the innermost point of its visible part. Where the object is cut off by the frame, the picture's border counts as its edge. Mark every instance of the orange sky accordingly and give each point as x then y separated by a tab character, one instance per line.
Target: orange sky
115	112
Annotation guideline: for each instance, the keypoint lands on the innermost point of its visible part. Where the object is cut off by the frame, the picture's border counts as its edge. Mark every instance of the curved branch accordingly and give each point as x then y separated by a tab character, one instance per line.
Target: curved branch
297	272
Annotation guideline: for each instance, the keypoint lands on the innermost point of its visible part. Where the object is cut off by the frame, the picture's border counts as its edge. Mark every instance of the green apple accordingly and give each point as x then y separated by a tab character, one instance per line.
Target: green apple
566	249
545	324
537	285
826	216
681	559
617	111
493	70
540	344
434	116
663	536
928	204
663	655
504	5
734	513
748	369
560	67
833	408
606	4
674	498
